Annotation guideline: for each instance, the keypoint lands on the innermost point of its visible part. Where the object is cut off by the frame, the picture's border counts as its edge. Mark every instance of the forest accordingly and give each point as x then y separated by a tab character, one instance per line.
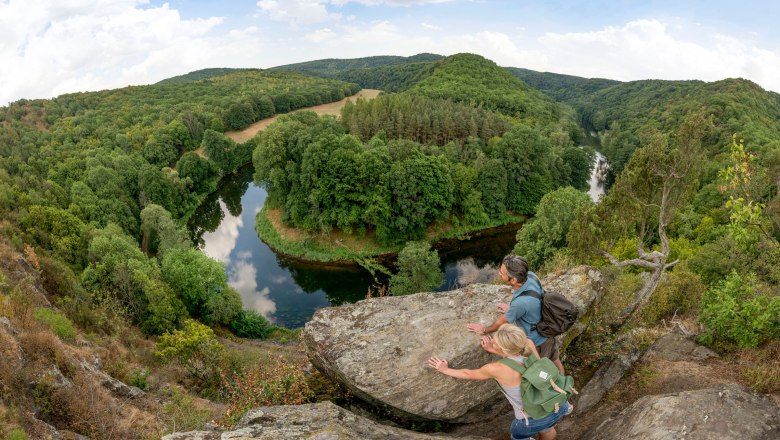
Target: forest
96	189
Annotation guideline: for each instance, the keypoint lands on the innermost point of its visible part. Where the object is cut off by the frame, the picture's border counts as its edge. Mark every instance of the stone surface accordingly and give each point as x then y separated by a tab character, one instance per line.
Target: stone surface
605	378
316	421
676	347
379	347
726	412
115	386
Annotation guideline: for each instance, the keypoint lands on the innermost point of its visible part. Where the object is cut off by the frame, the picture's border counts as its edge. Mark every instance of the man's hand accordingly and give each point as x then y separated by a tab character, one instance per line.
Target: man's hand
503	307
438	364
476	327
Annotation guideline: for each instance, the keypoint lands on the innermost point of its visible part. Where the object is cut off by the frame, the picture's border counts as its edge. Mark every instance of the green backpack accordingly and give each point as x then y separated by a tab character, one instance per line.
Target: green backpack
543	388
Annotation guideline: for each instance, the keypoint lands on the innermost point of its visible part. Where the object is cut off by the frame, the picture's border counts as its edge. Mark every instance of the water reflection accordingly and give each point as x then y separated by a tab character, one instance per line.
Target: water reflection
287	291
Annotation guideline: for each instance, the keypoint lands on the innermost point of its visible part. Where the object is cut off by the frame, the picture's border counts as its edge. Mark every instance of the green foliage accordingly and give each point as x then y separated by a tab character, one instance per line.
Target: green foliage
421	119
195	278
17	434
679	293
746	214
250	324
57	230
160	232
546	232
418	270
195	347
199	171
58	323
740	310
140	378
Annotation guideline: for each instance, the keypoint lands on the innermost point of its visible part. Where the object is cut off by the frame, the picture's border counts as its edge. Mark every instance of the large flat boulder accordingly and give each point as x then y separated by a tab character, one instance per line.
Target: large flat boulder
316	421
378	348
725	412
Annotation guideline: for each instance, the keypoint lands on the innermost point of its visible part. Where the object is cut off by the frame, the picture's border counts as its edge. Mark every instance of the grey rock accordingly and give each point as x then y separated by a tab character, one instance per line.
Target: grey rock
378	348
725	412
115	386
605	378
676	347
315	421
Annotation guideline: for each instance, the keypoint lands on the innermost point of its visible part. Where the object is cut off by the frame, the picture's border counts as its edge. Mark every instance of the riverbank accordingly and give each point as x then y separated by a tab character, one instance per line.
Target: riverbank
339	248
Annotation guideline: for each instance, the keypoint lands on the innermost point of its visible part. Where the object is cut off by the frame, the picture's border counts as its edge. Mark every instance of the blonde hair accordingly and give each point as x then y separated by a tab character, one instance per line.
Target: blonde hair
511	339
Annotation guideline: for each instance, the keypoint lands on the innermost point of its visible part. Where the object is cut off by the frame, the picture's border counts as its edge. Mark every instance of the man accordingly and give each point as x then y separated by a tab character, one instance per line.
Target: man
525	311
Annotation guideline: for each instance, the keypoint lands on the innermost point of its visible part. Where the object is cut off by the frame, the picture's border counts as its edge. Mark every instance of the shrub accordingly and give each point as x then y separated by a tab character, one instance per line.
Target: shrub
250	324
679	292
139	378
740	310
197	349
59	324
17	434
276	384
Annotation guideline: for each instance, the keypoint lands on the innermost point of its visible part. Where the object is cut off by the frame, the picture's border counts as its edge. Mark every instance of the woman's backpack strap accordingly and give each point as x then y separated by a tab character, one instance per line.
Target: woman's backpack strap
513	364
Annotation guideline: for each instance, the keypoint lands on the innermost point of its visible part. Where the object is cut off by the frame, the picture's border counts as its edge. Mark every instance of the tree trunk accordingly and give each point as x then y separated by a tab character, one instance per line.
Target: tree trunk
643	294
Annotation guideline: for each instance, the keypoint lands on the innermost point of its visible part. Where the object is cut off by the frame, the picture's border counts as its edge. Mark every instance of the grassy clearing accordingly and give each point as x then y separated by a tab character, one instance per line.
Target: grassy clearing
343	247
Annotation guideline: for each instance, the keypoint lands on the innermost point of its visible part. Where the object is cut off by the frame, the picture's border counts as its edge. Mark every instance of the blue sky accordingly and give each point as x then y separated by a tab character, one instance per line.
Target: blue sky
50	47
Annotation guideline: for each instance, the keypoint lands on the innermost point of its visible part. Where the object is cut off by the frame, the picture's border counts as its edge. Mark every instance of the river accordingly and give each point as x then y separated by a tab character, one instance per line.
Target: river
287	291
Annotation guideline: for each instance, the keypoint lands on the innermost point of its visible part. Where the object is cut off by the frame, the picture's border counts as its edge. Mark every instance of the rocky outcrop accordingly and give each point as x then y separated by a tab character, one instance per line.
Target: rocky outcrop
379	348
115	386
605	378
726	412
676	347
316	421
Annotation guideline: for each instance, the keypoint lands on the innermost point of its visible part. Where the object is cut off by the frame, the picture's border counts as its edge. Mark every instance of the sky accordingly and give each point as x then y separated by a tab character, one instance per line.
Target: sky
51	47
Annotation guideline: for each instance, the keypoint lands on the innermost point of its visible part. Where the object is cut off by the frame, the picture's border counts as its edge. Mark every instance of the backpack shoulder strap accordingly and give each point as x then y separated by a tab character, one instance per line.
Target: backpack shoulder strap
513	364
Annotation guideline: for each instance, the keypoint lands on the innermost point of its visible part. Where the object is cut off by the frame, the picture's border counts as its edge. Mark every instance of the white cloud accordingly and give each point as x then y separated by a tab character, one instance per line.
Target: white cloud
390	2
297	12
644	49
321	35
430	26
243	278
220	243
54	47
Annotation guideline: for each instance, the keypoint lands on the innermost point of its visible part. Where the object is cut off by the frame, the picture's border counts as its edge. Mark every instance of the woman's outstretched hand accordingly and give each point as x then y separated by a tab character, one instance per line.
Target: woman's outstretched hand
437	363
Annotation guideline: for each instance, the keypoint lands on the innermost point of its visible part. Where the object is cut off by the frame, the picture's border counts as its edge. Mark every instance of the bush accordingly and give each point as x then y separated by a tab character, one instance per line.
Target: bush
17	434
59	324
140	378
741	311
197	349
250	324
679	292
277	384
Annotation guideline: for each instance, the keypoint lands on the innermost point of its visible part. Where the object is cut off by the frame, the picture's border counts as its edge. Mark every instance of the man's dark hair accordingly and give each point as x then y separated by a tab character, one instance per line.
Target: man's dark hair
516	267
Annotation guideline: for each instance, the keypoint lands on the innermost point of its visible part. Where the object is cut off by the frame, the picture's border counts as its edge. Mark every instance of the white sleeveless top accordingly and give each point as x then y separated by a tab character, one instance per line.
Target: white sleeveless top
513	393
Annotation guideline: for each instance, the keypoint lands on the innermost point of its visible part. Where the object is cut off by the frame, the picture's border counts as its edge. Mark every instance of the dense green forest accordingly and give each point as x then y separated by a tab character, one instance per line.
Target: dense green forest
444	150
102	182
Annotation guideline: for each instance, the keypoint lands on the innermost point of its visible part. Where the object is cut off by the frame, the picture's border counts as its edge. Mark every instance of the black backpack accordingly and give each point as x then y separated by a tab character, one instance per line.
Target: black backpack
558	313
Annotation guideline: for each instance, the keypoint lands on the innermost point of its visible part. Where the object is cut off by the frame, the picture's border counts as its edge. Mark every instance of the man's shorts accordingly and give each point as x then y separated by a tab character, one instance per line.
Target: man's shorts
550	349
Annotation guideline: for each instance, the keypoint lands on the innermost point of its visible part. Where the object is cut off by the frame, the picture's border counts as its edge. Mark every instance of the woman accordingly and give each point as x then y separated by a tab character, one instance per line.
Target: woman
509	341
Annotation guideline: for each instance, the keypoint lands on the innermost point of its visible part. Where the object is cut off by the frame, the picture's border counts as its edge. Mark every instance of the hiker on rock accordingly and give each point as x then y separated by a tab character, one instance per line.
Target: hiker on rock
520	357
524	309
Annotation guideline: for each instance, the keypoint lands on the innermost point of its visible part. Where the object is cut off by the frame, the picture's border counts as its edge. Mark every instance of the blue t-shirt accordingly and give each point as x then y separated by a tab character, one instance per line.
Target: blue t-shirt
526	311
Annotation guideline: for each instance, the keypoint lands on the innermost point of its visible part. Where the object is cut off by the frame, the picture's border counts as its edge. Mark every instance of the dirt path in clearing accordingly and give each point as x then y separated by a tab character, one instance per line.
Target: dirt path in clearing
332	108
